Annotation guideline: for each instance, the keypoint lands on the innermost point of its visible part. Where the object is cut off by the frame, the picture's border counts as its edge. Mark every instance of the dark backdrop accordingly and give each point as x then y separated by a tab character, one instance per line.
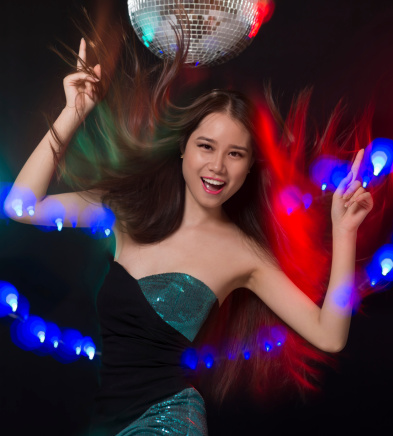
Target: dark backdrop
343	48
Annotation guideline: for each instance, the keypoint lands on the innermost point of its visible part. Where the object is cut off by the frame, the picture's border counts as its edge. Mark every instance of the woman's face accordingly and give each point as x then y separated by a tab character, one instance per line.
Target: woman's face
217	158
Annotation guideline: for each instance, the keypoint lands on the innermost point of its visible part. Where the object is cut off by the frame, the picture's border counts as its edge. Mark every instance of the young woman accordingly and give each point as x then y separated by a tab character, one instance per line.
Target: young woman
204	240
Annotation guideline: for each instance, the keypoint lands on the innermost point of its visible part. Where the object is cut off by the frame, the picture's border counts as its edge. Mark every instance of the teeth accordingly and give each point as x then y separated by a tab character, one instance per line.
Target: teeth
212	182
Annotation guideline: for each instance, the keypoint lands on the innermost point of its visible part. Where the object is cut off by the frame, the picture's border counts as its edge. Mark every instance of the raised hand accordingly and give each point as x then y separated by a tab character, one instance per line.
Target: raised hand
79	87
351	202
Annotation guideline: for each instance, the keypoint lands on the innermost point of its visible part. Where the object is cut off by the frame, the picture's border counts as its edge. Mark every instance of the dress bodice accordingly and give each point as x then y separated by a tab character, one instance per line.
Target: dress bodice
146	325
181	300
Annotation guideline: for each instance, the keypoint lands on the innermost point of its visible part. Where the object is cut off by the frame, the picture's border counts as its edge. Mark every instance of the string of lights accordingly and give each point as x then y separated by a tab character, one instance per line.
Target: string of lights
30	332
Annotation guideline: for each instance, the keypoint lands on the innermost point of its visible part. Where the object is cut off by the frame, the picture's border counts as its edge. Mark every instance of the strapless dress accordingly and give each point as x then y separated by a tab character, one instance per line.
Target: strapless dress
146	326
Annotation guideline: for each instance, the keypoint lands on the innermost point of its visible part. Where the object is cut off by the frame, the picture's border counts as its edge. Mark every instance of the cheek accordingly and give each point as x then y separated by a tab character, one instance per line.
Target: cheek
240	174
189	169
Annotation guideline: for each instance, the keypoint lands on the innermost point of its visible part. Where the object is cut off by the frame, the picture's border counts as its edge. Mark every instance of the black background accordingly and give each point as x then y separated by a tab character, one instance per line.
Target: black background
343	48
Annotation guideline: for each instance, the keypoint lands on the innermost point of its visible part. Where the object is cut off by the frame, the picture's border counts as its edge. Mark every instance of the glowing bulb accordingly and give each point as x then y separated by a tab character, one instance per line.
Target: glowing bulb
41	336
78	350
17	205
307	200
30	210
379	159
387	265
209	361
55	343
59	224
90	351
324	186
246	355
12	300
373	282
279	343
107	232
268	347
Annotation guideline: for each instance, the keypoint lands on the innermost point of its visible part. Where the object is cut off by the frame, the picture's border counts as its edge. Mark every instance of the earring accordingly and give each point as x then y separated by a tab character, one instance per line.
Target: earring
181	156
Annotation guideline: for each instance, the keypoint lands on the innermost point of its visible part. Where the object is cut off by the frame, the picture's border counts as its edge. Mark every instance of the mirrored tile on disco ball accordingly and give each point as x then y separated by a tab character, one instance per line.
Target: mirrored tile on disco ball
216	30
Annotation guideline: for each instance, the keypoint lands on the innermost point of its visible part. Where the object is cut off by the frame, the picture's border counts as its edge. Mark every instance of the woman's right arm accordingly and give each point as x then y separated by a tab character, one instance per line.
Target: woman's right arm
27	201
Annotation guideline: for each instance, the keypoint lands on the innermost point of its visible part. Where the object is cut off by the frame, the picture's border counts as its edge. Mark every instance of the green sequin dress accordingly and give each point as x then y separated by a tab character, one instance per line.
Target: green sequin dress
146	326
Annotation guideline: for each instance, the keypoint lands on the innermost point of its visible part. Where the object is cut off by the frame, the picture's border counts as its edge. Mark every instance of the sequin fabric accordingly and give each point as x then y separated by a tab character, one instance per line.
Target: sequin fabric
181	300
215	30
182	414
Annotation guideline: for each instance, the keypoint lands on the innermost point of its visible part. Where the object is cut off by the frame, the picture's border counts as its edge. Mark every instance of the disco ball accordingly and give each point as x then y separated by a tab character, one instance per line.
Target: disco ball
215	30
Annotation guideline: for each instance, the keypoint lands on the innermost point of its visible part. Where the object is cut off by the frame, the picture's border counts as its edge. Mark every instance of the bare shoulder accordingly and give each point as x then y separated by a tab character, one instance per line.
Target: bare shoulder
261	262
243	257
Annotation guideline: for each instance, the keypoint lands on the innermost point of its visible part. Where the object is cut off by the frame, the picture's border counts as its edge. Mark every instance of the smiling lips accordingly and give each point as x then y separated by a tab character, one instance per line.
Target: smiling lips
212	186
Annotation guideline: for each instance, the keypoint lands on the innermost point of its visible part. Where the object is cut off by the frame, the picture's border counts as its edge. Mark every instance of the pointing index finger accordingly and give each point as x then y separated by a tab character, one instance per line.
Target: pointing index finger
81	54
356	163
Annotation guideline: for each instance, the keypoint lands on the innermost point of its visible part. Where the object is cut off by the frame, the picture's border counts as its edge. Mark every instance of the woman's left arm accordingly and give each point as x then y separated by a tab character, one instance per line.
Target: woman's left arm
326	327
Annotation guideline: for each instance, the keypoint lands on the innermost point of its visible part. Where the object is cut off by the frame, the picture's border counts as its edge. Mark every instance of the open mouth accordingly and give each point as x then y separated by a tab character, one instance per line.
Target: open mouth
212	186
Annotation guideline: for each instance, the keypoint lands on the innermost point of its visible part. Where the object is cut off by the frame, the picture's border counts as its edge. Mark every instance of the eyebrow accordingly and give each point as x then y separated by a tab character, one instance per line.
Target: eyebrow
237	147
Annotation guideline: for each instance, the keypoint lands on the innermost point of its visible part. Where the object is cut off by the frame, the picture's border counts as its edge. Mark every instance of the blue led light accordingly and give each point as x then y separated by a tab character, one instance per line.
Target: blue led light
59	224
53	335
88	348
208	359
307	200
189	358
246	355
290	198
29	334
71	342
381	266
8	299
17	205
101	222
379	160
386	265
328	171
12	301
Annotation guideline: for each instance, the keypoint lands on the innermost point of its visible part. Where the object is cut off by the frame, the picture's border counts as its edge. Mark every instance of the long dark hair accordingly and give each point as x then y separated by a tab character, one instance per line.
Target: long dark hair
129	150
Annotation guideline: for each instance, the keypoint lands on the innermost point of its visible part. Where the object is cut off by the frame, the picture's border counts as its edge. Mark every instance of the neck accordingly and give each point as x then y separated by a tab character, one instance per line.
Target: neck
195	214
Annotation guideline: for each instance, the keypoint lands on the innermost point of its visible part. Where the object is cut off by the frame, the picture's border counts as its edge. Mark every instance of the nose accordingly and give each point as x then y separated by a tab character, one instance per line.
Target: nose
217	163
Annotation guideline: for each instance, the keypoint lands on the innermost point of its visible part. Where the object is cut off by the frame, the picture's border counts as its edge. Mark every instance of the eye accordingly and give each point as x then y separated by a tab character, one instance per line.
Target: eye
236	154
205	146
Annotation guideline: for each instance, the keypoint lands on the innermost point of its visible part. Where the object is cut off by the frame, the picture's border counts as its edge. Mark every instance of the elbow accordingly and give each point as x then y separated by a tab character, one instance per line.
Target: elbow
15	208
332	346
12	208
7	208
